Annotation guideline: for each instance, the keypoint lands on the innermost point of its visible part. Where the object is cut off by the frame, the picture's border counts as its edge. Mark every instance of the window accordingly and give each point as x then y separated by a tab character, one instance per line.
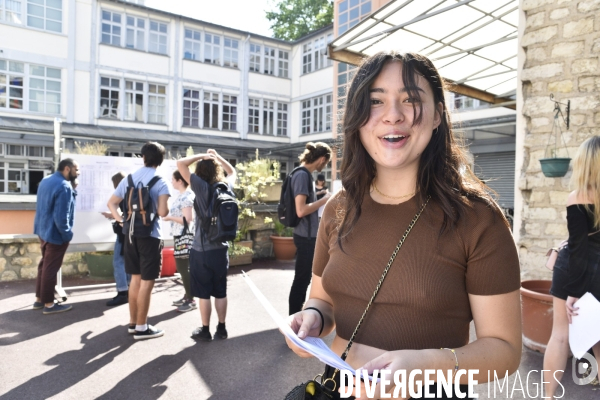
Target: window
111	28
1	149
49	152
306	58
282	119
109	97
191	108
10	10
44	89
15	150
157	104
350	12
11	84
316	114
191	47
345	73
212	48
314	54
45	14
134	101
254	57
283	63
230	53
254	116
211	110
268	117
136	29
35	151
229	112
158	37
269	67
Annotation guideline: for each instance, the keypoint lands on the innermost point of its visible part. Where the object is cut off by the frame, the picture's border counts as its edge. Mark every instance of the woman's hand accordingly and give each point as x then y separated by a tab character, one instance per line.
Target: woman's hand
304	323
571	309
391	361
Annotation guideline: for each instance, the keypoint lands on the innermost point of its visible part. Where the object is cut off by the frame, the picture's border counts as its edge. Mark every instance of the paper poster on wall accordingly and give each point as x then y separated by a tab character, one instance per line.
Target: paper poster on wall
95	188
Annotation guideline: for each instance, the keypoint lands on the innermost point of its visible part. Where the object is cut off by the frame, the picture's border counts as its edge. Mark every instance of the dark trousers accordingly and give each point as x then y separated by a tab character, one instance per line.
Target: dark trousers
304	259
52	258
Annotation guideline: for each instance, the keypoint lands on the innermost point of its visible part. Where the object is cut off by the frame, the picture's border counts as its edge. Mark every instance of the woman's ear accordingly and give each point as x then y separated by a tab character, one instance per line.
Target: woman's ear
439	111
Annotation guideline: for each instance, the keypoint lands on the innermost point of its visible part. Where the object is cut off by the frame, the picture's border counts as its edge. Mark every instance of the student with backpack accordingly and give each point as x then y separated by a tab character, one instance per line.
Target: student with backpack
314	158
216	223
146	195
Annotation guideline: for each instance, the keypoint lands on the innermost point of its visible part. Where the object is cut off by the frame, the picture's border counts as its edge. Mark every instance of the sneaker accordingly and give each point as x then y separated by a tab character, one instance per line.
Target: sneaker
131	328
118	300
187	306
149	333
57	308
179	302
221	333
38	305
202	334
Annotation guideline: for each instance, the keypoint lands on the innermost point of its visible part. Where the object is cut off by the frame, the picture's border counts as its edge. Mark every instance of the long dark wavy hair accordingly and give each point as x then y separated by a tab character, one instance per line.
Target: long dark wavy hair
443	173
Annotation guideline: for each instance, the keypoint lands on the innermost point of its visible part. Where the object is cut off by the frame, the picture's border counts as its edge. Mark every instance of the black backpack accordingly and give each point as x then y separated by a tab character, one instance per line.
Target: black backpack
138	209
220	223
286	210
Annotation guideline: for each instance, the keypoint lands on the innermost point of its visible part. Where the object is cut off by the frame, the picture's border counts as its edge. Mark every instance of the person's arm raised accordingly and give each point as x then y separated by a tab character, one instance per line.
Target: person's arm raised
183	164
227	167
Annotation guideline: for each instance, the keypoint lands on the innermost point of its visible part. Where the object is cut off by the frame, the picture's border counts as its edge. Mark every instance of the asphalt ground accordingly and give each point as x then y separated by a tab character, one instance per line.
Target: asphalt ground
86	353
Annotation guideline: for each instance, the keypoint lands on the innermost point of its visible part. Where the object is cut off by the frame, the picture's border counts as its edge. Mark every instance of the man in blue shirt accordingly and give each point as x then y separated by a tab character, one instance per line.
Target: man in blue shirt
143	255
55	209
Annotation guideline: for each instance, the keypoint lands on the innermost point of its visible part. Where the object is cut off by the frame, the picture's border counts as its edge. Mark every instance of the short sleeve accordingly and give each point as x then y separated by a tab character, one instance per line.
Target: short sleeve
326	235
187	200
300	183
492	258
121	189
163	188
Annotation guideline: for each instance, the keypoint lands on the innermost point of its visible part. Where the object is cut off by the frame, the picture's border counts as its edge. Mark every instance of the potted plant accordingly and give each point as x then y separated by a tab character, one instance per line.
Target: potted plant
536	313
254	177
554	166
283	242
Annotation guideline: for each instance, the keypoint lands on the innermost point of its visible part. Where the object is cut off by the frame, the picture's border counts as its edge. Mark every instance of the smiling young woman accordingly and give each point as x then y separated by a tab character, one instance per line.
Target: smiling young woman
458	263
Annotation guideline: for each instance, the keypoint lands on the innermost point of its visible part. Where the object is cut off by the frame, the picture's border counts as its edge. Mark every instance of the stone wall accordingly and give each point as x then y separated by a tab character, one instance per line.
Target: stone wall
20	255
562	46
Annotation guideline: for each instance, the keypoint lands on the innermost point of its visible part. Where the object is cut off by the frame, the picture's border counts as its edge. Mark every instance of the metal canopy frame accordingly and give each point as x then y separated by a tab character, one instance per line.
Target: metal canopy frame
473	43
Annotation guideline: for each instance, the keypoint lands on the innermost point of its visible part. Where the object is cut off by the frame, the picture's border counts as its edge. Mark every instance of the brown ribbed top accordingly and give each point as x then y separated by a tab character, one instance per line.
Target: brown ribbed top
423	302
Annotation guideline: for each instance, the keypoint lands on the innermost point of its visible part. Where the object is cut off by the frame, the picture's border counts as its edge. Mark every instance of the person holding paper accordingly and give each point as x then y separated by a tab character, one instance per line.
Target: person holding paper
459	261
576	269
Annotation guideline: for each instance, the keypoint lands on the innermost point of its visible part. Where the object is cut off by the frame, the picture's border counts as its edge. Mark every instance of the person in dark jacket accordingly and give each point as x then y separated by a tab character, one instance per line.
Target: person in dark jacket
54	216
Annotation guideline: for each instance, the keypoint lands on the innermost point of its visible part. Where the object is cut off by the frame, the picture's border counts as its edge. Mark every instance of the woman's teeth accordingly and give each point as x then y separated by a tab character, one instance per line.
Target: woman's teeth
394	138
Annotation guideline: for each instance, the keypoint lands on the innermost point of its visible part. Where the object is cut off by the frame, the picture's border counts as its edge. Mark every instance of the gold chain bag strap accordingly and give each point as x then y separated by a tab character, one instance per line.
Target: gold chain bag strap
318	390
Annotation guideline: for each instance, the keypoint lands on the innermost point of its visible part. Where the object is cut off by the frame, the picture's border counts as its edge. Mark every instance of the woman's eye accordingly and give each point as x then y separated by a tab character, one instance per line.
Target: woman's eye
412	100
375	101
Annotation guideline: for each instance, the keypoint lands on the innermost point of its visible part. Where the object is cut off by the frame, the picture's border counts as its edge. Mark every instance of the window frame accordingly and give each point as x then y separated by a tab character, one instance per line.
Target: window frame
192	100
212	46
316	114
254	65
282	119
110	89
136	31
283	63
193	42
259	110
46	92
254	116
134	91
158	34
156	96
229	109
233	51
211	102
4	12
314	54
45	8
112	24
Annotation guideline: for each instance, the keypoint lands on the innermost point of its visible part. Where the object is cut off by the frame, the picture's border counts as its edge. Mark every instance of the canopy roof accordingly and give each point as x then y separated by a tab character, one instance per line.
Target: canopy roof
473	43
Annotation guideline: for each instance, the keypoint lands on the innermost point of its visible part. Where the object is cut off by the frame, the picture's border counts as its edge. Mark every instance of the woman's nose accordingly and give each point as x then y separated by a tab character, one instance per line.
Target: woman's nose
393	114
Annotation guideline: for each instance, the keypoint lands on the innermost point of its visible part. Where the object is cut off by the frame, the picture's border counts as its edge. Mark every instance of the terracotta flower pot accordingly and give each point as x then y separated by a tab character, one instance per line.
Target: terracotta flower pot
284	247
537	313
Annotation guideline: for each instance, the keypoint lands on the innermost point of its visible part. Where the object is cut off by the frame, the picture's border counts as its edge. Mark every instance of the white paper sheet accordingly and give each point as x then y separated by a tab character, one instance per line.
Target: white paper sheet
312	345
584	331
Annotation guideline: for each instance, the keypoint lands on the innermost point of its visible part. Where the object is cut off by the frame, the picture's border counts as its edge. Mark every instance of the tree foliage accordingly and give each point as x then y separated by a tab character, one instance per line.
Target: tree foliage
293	19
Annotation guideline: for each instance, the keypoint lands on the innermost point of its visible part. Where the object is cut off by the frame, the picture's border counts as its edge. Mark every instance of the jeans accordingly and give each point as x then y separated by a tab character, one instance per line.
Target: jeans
303	272
121	277
52	258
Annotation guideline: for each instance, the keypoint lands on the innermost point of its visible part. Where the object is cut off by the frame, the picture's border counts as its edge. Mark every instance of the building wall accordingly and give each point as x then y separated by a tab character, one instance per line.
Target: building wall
16	222
561	41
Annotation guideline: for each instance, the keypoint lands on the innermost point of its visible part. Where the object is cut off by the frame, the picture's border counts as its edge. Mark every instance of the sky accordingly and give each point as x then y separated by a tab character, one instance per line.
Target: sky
245	15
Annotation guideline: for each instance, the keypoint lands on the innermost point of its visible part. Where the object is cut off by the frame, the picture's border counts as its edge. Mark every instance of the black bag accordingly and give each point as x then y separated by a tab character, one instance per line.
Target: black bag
138	209
220	223
184	242
286	210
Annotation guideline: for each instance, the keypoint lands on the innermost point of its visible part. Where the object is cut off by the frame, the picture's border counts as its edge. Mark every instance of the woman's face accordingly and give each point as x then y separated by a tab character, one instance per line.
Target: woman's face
176	184
389	135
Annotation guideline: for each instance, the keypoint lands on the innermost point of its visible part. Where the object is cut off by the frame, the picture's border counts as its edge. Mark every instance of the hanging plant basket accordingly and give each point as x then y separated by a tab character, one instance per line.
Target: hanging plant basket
555	167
